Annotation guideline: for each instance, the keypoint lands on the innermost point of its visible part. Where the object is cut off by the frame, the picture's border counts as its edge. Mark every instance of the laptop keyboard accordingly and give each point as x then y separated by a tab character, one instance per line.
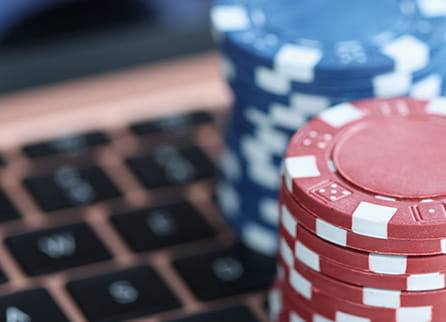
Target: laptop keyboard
121	225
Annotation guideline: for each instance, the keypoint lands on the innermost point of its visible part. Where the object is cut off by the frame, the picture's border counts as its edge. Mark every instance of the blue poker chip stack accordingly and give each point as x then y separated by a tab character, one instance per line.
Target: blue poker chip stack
287	60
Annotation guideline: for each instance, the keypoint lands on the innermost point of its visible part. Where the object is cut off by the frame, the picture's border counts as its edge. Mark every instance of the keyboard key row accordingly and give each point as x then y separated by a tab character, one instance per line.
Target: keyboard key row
140	291
58	248
69	186
74	143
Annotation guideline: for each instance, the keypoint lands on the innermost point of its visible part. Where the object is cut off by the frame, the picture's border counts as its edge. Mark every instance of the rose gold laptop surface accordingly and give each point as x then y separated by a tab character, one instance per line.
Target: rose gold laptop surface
106	201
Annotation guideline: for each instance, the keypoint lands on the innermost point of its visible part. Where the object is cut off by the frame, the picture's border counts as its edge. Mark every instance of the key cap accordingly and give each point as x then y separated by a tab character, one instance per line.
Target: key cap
3	278
71	187
66	145
55	249
164	226
168	165
227	272
232	314
29	306
171	123
7	210
126	294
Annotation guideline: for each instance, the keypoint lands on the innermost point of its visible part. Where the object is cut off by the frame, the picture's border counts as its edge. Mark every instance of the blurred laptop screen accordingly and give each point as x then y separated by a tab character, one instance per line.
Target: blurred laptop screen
80	37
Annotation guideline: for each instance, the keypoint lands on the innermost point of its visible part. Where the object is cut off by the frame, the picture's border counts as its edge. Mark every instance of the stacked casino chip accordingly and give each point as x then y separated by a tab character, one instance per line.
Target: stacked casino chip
287	60
363	215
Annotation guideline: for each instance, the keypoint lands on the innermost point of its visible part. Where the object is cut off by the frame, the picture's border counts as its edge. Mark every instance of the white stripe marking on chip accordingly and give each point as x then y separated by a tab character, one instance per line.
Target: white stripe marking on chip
423	282
432	8
260	238
331	233
288	221
302	167
300	284
398	49
387	264
294	317
269	211
307	256
230	18
287	253
437	106
381	298
270	81
341	115
414	314
345	317
308	58
371	219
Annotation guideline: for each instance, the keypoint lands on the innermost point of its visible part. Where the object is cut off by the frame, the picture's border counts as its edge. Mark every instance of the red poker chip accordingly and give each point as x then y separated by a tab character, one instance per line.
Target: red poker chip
292	251
367	295
286	312
348	238
310	231
299	293
374	167
371	262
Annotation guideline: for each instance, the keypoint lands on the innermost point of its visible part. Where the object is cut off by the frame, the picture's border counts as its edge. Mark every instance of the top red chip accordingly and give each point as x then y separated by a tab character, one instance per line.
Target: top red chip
376	167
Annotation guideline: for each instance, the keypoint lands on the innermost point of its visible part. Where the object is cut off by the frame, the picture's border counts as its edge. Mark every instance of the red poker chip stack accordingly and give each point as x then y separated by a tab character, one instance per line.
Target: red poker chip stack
363	216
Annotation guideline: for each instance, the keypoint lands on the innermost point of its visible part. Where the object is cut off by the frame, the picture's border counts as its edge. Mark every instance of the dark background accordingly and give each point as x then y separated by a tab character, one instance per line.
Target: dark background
45	41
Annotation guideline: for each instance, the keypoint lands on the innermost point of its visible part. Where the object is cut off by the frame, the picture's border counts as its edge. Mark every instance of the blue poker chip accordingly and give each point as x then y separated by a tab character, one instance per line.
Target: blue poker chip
384	85
297	104
286	61
316	39
248	159
252	216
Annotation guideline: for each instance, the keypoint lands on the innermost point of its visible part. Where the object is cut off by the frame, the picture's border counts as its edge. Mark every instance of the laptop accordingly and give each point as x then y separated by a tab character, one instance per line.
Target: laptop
110	132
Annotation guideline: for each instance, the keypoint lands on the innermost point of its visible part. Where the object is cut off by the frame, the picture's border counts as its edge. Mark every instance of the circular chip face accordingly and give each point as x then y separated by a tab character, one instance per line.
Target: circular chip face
374	167
404	157
347	238
298	38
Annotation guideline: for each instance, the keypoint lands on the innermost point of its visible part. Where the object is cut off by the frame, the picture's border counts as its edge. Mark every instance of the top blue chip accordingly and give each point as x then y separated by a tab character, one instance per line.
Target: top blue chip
306	40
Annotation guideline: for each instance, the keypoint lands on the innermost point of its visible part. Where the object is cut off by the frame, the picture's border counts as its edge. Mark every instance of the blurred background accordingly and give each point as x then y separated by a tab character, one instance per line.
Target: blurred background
51	40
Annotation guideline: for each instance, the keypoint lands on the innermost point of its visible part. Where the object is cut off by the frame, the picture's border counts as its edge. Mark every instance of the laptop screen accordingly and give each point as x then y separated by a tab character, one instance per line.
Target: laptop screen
48	41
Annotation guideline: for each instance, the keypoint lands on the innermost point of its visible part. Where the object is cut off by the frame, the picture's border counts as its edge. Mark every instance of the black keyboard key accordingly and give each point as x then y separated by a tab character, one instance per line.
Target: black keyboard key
30	306
66	145
230	314
171	123
168	225
7	210
55	249
2	161
3	278
228	272
168	165
123	295
71	187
